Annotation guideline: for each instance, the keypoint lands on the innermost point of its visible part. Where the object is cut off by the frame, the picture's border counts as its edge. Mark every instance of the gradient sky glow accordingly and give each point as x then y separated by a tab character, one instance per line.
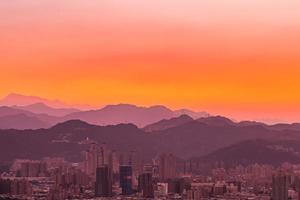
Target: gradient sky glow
235	58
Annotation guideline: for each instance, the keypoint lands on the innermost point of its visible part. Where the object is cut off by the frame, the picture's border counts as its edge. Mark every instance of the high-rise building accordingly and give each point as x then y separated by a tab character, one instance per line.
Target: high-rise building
103	185
176	185
71	176
114	162
92	160
21	187
5	186
280	186
297	184
167	167
133	159
97	155
32	168
148	168
126	179
15	186
145	185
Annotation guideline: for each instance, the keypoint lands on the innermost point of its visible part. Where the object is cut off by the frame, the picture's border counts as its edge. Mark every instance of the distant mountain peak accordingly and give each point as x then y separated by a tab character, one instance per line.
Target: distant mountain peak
11	95
159	107
168	123
14	99
75	123
216	121
120	105
42	108
132	106
251	123
273	152
39	104
124	113
193	114
21	121
108	115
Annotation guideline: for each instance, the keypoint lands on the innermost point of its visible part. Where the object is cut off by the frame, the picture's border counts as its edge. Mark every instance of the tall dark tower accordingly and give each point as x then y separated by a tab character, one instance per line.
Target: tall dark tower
146	185
167	167
126	179
103	185
280	186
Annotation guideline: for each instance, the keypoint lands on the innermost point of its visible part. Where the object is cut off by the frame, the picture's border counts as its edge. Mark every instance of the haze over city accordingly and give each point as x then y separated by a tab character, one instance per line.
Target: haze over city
150	99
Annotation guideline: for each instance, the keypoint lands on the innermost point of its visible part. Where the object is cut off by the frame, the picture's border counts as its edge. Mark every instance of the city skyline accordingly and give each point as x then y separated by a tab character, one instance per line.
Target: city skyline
150	99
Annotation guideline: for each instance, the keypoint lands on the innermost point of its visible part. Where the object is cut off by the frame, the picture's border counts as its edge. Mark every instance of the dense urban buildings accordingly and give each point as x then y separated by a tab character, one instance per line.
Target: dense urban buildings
126	179
145	185
149	99
167	166
166	177
280	186
103	185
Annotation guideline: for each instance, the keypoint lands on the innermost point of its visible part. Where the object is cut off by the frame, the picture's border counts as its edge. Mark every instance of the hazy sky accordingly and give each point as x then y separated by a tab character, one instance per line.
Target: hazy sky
239	58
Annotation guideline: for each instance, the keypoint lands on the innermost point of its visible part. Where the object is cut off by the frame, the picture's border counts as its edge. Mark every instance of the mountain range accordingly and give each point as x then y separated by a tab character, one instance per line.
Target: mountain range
126	113
37	130
41	108
14	99
153	118
12	118
272	152
46	116
166	124
189	140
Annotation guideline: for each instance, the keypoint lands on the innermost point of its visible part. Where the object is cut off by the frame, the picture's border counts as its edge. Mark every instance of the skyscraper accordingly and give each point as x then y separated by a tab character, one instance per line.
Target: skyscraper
167	166
126	179
92	159
33	168
146	185
15	186
103	185
97	155
280	186
176	185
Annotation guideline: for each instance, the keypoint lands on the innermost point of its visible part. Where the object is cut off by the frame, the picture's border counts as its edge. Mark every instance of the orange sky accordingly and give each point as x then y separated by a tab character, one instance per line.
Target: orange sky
236	58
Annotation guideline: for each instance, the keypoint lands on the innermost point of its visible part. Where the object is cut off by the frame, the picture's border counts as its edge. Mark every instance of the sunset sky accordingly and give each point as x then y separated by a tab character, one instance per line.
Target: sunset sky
238	58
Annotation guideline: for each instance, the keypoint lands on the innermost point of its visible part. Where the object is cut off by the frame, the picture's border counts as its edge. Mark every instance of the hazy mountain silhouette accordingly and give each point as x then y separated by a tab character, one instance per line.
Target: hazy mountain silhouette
14	99
108	115
41	108
5	110
280	127
216	121
193	114
195	138
71	125
127	113
123	113
192	139
252	123
153	118
211	121
272	152
168	123
64	139
21	121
